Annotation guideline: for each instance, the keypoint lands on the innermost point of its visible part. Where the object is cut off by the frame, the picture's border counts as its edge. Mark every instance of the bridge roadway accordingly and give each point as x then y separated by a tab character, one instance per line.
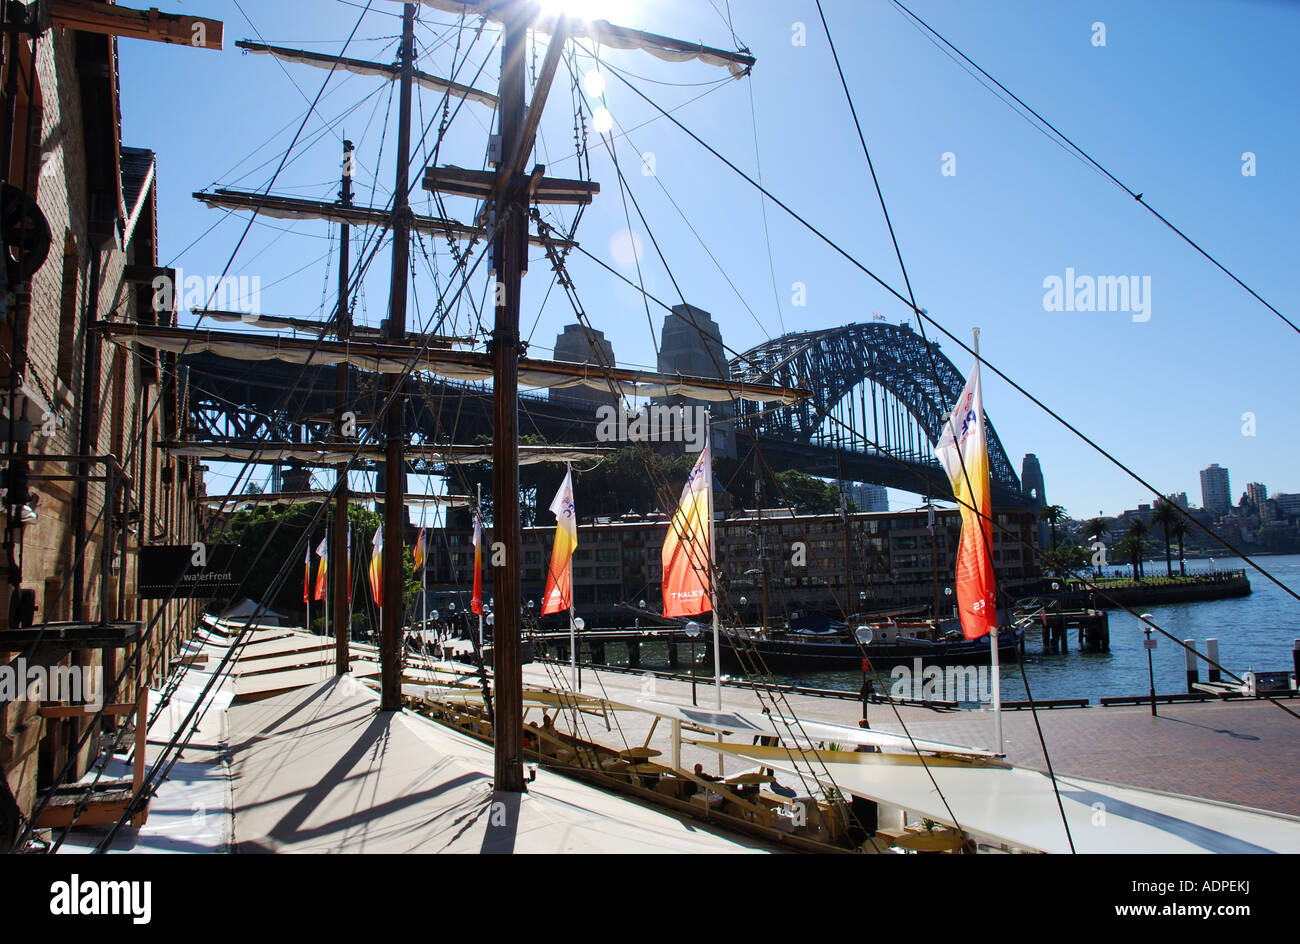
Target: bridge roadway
275	401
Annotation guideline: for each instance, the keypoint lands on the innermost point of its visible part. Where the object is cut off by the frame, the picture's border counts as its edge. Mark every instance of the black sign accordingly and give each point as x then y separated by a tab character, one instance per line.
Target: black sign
191	570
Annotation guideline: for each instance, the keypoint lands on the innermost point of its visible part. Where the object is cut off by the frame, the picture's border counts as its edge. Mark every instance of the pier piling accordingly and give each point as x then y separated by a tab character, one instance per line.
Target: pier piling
1212	654
1192	675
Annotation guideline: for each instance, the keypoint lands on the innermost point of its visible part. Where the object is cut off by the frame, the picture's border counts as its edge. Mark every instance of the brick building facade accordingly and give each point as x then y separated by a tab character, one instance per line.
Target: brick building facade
83	398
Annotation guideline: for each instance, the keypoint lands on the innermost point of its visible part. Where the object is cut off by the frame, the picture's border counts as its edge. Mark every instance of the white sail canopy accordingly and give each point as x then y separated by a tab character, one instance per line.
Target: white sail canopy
394	358
362	67
281	498
1018	806
607	34
331	454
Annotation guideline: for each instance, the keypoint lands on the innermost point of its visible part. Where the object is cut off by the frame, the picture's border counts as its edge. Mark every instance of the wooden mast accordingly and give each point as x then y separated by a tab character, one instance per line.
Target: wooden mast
509	251
390	643
342	562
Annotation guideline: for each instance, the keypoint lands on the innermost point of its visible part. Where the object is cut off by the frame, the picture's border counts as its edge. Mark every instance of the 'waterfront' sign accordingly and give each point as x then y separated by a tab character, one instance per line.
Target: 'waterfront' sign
191	570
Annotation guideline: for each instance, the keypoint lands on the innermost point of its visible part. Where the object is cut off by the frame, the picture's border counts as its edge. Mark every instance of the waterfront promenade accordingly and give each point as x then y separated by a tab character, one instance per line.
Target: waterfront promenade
1241	752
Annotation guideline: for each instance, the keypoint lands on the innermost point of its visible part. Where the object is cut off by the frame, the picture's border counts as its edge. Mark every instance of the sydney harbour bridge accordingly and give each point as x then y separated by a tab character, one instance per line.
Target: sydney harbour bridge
879	396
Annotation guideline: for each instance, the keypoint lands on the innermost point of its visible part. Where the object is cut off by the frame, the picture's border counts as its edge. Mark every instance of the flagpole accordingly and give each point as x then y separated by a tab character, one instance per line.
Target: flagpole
713	590
424	580
573	651
995	668
478	510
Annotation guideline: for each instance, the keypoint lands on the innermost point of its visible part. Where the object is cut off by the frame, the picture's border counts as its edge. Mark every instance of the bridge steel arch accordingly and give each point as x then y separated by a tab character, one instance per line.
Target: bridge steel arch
832	362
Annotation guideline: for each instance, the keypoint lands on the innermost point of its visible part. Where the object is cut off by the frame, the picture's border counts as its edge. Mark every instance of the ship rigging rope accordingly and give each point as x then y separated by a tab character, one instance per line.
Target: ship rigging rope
147	786
144	425
923	314
752	662
1082	576
1089	158
140	437
189	725
609	141
938	386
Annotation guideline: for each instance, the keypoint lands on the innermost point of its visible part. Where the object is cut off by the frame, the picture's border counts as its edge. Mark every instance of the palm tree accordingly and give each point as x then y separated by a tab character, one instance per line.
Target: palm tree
1053	515
1131	547
1166	515
1138	531
1180	531
1093	529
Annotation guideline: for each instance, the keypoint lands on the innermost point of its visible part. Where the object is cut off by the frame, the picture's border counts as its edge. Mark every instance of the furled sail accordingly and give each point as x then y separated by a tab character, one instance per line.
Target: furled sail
337	453
395	358
362	67
616	37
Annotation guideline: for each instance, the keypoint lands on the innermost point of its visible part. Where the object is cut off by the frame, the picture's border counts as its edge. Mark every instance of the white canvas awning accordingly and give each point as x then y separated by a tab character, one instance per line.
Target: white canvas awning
391	358
282	498
1018	806
607	34
361	67
794	732
331	454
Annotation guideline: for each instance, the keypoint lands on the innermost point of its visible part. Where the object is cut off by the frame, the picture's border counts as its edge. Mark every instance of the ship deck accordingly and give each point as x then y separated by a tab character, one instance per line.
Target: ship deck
1243	751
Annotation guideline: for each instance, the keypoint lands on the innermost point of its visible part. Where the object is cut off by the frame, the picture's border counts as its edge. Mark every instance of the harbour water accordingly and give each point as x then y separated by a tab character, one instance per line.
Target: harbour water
1254	632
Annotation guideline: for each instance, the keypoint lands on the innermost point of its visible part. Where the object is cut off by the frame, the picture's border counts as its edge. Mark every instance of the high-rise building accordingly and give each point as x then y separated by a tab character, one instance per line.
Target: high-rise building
1216	494
1288	504
691	343
577	344
1257	493
1179	499
868	497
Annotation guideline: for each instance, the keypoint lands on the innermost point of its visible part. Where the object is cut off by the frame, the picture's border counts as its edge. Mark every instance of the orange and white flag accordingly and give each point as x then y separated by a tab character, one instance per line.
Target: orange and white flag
322	551
686	548
377	566
559	576
476	596
963	452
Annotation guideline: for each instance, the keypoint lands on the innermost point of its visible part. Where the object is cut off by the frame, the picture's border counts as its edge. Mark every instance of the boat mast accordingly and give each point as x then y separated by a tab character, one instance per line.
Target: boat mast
342	622
509	255
390	643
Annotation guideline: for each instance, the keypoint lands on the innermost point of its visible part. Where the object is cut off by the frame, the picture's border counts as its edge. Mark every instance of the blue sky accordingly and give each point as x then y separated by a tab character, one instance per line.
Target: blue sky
1178	93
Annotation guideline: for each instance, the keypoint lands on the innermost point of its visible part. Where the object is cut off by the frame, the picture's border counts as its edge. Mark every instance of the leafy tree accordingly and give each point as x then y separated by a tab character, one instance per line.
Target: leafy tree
1064	559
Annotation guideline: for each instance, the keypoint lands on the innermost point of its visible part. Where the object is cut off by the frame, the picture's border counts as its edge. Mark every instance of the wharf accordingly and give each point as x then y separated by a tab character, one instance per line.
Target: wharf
1243	752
